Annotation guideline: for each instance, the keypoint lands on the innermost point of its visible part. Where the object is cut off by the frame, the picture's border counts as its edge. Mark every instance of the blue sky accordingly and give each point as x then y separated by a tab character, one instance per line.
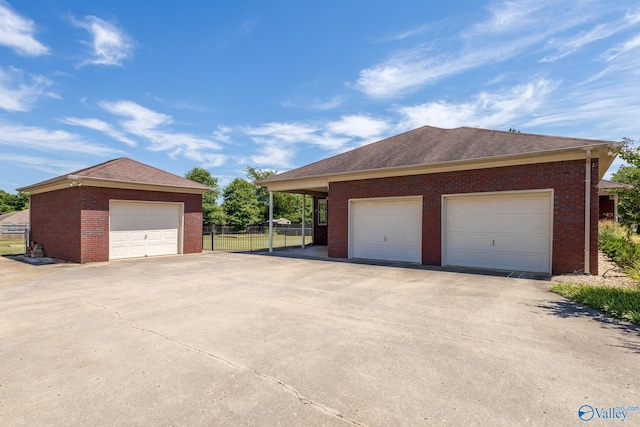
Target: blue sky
279	84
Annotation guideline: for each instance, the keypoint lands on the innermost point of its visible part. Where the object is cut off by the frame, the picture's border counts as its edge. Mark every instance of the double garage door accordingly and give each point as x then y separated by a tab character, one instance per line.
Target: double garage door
139	229
509	231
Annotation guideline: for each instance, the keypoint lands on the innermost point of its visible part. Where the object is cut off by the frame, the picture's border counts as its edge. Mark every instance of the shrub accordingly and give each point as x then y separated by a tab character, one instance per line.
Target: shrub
623	303
616	243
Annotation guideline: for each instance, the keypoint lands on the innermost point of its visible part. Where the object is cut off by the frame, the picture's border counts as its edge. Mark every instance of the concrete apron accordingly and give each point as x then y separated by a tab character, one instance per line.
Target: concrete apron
227	339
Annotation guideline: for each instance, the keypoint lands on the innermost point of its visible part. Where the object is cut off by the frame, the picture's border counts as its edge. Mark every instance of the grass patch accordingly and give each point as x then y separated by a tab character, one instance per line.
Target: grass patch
623	303
12	247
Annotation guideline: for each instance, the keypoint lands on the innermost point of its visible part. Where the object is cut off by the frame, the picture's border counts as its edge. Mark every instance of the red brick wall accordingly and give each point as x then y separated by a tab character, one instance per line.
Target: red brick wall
566	178
88	233
607	208
55	222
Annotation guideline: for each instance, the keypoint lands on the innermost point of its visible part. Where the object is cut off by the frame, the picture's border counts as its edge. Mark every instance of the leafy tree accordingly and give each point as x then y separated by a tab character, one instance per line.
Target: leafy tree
240	204
211	212
285	205
13	202
628	200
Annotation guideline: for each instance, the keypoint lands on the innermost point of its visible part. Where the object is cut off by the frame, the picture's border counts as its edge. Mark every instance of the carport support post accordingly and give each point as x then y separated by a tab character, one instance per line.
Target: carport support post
270	221
303	215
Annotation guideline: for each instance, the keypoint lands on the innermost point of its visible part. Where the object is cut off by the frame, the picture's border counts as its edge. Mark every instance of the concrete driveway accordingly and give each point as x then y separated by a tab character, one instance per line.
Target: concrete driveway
237	339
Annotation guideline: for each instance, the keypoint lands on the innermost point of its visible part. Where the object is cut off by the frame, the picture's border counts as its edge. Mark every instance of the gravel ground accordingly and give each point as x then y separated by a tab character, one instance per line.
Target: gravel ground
610	275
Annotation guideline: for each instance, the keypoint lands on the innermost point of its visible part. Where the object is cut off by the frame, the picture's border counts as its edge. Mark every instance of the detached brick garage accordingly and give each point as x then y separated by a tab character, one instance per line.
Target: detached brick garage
118	209
461	197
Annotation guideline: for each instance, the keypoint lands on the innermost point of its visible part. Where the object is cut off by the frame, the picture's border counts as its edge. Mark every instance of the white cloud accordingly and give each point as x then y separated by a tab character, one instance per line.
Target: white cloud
154	128
37	138
19	92
49	165
110	44
513	28
601	31
273	154
486	110
101	126
17	33
278	142
359	126
622	48
316	103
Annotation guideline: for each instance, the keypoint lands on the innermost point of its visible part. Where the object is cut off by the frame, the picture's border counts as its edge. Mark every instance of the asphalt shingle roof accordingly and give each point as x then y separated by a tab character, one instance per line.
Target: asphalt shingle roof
430	145
126	170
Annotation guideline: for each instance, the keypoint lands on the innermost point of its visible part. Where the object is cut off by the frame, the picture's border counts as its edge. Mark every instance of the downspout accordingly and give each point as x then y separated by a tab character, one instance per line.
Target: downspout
587	213
270	221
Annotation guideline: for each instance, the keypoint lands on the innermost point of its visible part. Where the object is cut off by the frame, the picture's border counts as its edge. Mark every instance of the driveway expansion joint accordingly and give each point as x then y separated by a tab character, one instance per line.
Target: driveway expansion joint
291	390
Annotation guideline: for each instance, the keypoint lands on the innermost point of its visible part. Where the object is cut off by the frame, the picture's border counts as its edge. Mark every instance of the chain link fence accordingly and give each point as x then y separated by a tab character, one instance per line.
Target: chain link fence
13	239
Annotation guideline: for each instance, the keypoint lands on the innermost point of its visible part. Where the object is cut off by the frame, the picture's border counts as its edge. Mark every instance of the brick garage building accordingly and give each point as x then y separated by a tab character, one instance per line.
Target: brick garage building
460	197
118	209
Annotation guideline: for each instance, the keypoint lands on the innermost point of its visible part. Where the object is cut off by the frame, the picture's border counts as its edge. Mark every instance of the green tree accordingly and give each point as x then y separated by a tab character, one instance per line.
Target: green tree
628	199
13	202
212	214
285	205
240	204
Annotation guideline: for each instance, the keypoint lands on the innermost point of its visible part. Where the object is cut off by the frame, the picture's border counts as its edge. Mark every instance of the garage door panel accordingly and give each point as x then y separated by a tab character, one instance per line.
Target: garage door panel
386	229
499	231
143	229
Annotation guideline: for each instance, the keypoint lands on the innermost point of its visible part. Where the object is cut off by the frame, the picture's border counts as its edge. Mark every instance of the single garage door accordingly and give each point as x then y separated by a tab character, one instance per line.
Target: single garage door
139	229
506	232
386	229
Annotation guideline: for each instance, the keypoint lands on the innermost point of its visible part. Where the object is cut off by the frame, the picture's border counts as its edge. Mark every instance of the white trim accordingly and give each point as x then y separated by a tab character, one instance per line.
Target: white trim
180	221
419	198
443	220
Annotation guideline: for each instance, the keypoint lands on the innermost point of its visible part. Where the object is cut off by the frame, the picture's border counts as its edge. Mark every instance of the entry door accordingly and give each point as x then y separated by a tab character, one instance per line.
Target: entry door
386	229
138	229
506	232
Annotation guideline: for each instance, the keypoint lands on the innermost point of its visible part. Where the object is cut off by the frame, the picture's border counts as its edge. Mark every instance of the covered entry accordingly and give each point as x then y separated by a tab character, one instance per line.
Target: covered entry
139	229
386	229
507	231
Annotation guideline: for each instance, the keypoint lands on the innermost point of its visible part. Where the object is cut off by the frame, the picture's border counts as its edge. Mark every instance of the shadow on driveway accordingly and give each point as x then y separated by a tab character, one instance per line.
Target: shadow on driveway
570	309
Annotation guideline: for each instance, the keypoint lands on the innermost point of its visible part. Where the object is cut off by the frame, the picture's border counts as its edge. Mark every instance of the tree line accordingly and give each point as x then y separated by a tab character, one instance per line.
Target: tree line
244	203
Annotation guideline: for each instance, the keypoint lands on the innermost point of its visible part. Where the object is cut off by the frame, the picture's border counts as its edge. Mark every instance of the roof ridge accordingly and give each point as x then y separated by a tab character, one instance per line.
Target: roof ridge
97	167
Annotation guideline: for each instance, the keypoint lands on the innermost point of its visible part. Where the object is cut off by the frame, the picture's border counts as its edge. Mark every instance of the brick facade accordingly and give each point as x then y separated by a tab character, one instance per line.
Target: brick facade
607	208
566	178
73	223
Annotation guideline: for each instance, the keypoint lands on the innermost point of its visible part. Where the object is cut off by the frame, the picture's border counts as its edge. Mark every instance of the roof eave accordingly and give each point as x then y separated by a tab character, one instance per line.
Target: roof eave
66	181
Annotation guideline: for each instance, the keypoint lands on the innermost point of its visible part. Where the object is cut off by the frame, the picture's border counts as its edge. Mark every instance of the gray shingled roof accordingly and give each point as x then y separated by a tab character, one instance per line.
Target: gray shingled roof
124	169
430	145
606	184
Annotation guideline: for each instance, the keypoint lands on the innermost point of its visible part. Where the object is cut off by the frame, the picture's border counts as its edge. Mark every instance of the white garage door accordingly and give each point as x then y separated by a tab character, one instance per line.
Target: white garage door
386	229
138	229
507	232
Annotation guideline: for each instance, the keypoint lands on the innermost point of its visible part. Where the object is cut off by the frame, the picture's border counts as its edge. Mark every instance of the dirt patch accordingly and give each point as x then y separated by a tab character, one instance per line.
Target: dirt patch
610	275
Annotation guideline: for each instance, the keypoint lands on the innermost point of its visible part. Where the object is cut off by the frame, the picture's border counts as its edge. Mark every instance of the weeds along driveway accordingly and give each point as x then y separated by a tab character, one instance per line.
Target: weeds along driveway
229	339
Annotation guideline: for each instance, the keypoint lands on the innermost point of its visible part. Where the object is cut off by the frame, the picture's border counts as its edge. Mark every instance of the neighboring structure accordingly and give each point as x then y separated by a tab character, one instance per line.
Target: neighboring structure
462	197
14	224
118	209
608	199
